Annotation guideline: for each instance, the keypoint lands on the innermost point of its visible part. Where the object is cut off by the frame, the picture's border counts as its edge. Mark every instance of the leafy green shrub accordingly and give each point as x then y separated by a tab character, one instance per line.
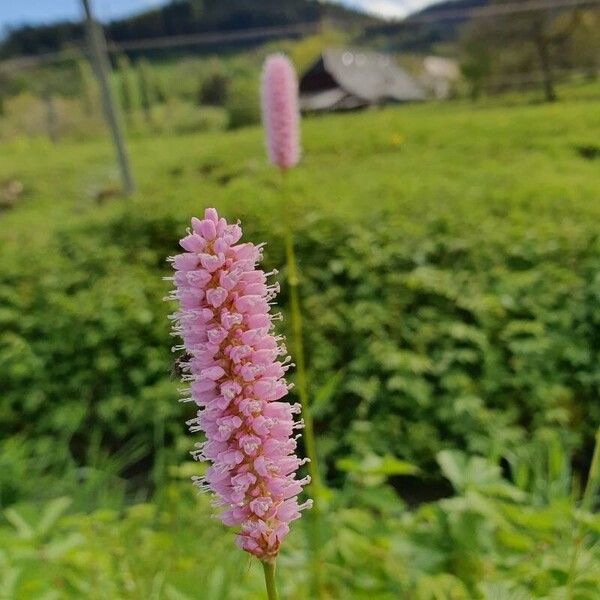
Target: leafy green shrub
99	361
27	115
183	117
179	117
213	89
243	104
494	539
419	342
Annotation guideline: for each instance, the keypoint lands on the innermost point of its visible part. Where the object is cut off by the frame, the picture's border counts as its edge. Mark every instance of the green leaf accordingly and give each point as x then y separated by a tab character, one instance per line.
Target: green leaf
24	530
470	472
321	404
53	511
454	465
376	465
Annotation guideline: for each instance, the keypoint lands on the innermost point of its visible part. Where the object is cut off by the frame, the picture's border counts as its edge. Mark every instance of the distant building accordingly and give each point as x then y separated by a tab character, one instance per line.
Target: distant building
350	79
440	76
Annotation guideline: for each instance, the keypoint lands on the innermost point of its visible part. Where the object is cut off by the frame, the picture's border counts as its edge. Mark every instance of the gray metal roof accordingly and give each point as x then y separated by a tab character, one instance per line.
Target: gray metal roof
371	75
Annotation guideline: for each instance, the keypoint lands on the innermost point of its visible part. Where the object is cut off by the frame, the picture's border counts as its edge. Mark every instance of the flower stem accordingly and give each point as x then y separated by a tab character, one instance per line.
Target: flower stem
301	384
269	569
314	518
298	344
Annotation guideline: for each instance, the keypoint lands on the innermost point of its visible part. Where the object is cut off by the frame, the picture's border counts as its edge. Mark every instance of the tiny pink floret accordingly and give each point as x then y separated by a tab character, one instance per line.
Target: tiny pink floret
237	380
280	111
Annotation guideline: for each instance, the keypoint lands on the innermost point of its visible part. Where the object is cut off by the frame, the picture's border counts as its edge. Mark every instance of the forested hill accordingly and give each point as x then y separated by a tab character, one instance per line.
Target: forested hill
181	17
416	35
450	5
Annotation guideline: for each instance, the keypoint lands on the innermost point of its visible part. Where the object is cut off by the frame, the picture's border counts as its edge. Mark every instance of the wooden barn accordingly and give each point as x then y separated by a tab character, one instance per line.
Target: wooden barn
350	79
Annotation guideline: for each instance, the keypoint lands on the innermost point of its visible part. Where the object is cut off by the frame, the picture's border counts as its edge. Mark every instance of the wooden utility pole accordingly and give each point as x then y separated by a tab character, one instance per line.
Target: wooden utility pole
101	66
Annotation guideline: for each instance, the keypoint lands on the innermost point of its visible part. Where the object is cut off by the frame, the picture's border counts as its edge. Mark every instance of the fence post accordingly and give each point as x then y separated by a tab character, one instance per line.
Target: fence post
100	63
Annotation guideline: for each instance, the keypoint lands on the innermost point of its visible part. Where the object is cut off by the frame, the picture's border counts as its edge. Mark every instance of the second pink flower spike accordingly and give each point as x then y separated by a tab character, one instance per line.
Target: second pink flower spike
280	111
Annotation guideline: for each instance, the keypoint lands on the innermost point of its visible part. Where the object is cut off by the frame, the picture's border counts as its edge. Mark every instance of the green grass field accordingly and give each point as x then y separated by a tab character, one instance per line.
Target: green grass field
449	256
512	162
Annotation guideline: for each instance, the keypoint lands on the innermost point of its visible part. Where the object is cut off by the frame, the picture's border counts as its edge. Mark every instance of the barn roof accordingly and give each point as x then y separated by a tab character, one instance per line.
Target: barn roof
369	76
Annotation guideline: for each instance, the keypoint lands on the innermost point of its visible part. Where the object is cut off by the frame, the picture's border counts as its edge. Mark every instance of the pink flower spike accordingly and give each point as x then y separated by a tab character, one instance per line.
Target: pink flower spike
280	111
236	381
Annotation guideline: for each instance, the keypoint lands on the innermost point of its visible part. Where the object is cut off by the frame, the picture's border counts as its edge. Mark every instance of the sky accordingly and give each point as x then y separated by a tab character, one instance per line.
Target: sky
13	13
45	11
387	8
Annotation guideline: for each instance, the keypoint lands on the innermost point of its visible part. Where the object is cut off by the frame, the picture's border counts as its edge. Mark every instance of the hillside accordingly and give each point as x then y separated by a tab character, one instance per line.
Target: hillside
416	35
447	6
182	18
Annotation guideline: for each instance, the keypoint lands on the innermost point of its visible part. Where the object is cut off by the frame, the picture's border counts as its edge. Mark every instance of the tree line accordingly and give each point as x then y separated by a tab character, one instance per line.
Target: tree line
180	17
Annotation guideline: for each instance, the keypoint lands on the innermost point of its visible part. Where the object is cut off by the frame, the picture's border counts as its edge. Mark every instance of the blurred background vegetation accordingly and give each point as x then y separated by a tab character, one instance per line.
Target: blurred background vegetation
171	76
449	261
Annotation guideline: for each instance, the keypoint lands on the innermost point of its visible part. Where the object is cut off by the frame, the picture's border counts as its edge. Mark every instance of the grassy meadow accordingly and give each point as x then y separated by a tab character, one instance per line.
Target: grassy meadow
487	158
449	259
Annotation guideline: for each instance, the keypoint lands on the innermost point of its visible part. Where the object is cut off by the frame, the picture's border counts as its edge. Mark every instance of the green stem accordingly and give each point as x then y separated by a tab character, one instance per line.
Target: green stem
301	379
298	345
314	518
269	569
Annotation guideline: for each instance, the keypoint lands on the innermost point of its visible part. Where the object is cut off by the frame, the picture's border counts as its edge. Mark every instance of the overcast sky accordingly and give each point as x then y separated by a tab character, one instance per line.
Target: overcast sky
13	13
388	8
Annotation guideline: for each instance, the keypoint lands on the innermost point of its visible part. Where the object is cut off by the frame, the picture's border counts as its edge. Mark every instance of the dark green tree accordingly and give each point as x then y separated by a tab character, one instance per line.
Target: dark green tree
521	44
475	66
